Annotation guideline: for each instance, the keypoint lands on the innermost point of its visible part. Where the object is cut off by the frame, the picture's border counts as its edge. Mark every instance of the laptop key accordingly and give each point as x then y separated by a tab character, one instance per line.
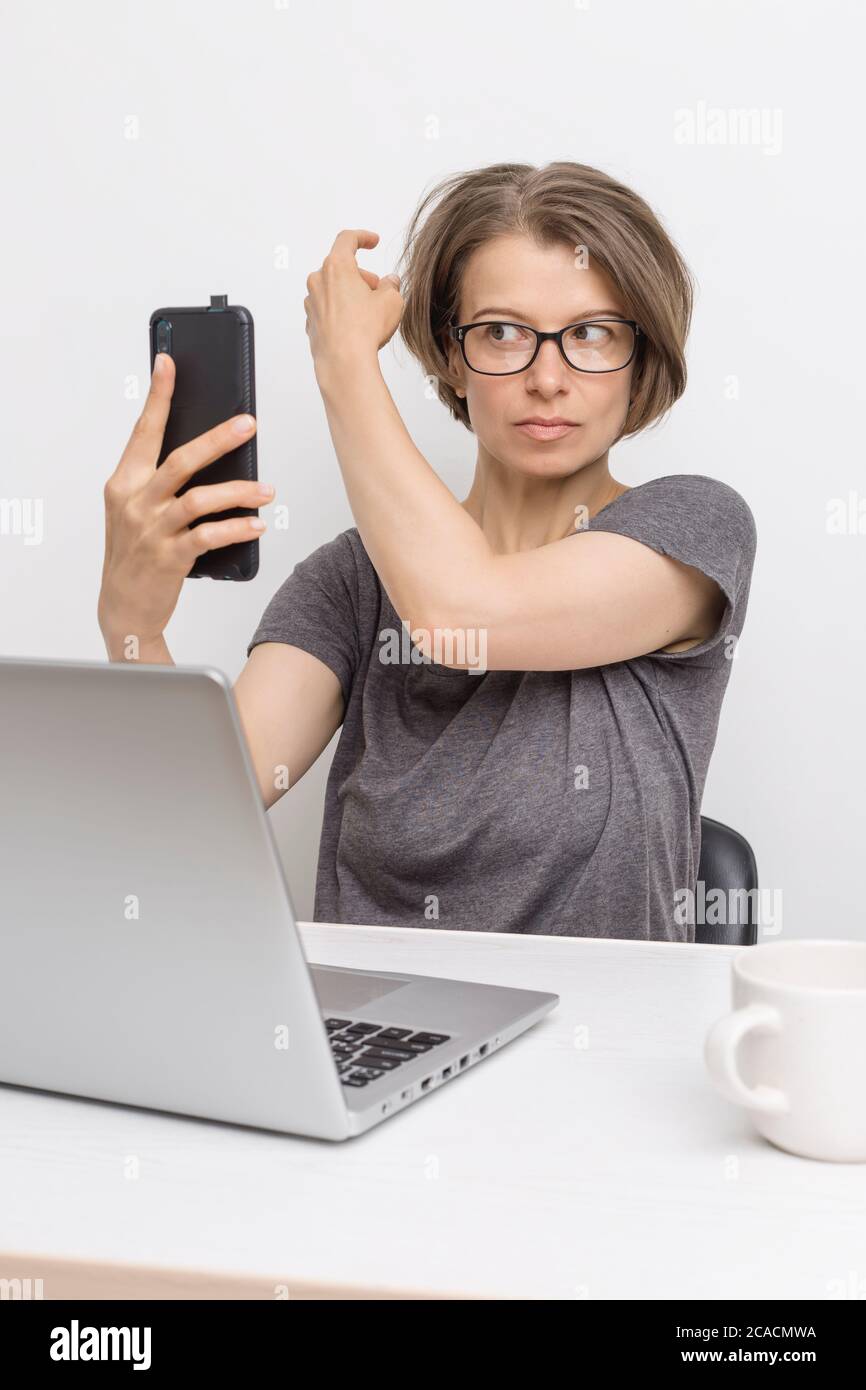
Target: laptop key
371	1073
393	1034
375	1059
337	1022
366	1027
353	1080
396	1054
396	1049
393	1049
433	1039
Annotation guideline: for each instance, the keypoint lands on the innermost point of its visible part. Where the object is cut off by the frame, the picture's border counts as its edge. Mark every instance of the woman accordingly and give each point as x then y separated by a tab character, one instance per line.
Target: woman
533	760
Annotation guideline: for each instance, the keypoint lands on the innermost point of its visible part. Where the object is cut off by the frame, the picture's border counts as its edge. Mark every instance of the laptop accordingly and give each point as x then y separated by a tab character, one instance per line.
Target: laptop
149	953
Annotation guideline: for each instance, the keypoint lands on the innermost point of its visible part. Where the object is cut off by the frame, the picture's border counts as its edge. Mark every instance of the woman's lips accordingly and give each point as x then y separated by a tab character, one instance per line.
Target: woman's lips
547	431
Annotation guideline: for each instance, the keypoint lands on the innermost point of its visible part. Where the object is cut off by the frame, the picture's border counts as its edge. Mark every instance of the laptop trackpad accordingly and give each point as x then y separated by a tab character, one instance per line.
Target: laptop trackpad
337	989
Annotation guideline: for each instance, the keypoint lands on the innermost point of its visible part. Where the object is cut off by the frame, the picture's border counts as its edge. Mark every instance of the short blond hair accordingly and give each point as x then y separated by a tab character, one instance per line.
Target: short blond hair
562	202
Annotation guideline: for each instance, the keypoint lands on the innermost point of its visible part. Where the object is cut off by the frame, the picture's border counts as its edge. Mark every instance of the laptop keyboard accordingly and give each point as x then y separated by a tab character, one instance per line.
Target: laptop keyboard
365	1051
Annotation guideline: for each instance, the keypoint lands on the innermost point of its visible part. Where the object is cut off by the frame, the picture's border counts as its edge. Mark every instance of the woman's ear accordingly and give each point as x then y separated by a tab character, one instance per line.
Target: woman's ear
455	369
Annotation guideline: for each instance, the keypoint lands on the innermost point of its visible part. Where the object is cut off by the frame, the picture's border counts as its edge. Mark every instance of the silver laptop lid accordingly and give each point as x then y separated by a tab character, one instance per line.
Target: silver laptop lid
148	952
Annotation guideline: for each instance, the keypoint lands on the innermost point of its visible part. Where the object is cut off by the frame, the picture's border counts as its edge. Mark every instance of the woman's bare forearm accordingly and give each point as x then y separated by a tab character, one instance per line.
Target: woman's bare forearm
126	647
395	495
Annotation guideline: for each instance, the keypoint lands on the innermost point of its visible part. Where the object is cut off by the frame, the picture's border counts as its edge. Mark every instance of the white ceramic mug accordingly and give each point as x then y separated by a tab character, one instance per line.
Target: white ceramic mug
793	1052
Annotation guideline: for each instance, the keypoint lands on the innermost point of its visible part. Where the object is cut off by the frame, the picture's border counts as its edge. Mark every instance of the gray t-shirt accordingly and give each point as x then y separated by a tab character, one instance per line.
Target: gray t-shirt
565	803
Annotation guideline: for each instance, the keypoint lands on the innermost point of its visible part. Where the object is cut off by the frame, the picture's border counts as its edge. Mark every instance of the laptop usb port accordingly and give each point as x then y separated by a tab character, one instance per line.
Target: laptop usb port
482	1051
446	1073
464	1061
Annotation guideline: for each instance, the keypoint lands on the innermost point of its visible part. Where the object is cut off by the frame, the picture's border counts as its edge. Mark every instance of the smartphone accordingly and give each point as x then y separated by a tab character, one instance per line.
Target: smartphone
212	347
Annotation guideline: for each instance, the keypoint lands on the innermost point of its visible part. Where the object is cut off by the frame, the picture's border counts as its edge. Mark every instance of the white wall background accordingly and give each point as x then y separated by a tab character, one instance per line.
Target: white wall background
263	126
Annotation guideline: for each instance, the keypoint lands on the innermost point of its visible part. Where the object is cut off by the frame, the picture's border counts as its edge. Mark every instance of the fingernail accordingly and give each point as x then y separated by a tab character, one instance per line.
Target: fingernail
159	362
257	523
243	424
265	490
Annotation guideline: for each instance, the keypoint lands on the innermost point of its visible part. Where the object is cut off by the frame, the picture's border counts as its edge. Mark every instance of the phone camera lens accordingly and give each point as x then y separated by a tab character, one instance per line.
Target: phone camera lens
163	336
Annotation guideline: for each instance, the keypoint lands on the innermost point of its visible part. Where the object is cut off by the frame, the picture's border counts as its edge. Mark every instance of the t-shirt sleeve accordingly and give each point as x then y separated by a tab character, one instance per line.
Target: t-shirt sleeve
703	523
316	609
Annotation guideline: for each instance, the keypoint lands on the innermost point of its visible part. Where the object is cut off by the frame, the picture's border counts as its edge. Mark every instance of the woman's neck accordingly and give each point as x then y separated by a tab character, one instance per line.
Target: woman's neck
517	512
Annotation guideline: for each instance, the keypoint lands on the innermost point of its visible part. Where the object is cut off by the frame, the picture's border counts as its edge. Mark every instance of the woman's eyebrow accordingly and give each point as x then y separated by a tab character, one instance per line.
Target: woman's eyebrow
524	318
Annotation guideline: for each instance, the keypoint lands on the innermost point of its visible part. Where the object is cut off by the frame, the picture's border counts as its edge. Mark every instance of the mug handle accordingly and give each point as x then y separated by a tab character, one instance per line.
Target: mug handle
720	1055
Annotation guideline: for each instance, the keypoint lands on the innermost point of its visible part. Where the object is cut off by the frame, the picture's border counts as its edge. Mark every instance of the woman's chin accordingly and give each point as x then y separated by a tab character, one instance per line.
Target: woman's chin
547	463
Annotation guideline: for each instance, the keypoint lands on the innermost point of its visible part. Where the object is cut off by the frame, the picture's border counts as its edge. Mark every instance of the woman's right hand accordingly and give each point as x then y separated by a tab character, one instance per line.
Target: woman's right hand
150	546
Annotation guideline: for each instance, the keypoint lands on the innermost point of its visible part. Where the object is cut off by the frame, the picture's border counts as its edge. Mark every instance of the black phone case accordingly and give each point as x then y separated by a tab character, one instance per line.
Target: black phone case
214	361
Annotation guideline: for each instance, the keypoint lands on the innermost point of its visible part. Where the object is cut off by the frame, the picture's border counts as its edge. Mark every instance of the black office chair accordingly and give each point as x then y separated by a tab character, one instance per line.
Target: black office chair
727	862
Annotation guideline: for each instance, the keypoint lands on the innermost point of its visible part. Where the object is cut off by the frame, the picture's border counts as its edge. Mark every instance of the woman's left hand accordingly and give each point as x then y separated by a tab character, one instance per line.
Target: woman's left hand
351	313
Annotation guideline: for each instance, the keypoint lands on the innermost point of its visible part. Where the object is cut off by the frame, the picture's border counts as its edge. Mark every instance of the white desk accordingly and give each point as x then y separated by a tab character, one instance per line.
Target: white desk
605	1170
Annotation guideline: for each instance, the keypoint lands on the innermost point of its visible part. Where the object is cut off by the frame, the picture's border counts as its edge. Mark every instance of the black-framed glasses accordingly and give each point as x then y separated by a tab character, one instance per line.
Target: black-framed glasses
495	348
